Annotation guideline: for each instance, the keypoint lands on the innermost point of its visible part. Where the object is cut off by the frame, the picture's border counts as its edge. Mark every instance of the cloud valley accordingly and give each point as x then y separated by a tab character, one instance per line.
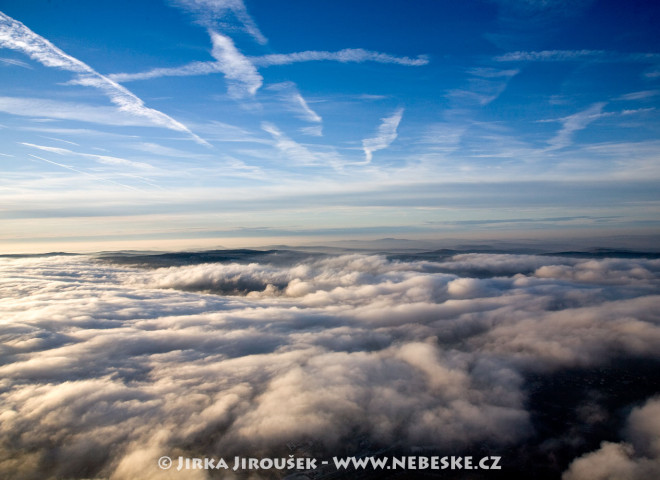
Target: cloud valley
108	363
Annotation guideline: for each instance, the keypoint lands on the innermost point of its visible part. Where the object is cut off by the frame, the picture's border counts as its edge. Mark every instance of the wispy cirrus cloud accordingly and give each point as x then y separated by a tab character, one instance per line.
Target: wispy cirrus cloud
44	109
573	123
16	36
15	63
296	102
243	78
575	55
550	55
636	111
292	150
105	159
443	137
308	114
313	131
191	69
641	95
347	55
211	12
40	107
653	73
161	150
387	133
484	85
86	174
539	10
61	140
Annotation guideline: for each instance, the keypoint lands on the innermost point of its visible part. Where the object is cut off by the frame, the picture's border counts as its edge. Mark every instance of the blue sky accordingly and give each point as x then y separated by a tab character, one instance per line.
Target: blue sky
202	123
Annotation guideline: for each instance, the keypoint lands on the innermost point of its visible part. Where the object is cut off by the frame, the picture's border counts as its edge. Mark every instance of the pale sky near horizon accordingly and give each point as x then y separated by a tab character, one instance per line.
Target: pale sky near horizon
192	123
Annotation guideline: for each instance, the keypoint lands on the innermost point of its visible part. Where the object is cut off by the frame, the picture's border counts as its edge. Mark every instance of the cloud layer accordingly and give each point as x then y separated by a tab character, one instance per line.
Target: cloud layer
107	366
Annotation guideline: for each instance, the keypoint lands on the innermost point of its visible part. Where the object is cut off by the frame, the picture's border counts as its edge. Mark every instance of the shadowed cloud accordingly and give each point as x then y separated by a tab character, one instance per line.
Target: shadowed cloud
116	362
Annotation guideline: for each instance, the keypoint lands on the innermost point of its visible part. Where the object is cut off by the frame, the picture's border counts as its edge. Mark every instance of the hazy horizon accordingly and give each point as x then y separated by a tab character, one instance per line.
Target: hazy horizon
507	242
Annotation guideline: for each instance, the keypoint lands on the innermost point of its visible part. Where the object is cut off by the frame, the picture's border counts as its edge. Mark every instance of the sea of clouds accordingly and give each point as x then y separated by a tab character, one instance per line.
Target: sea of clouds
105	366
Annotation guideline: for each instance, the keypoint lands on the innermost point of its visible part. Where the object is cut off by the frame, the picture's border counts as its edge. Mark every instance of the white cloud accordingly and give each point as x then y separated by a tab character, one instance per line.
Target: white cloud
348	55
313	131
39	107
636	111
653	73
86	174
484	86
549	55
295	152
576	122
242	76
637	460
62	141
16	36
641	95
387	133
209	12
443	137
537	11
493	73
15	63
163	151
108	364
105	159
575	55
309	114
195	68
290	94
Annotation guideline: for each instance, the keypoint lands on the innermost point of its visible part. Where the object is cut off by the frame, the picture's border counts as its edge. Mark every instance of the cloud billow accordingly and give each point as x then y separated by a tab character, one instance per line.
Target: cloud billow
107	366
